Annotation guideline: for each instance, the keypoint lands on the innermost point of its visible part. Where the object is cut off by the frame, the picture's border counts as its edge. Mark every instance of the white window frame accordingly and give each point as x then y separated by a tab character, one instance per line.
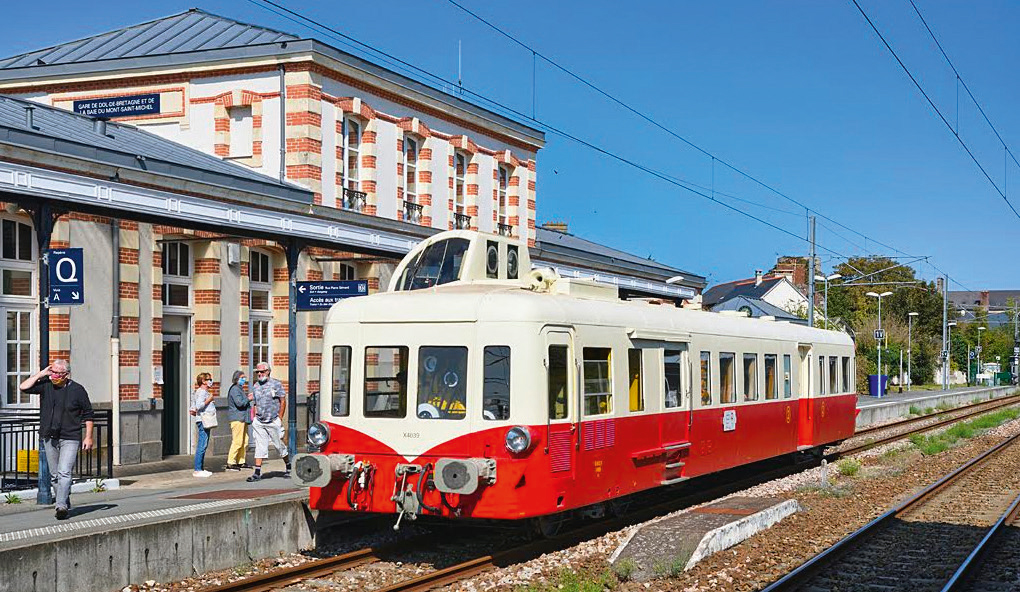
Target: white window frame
460	183
352	179
16	264
177	279
20	374
258	318
242	131
265	286
503	175
411	146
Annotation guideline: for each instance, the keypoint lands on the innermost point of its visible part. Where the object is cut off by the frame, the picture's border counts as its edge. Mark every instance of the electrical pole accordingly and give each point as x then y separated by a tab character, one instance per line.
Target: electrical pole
945	327
811	273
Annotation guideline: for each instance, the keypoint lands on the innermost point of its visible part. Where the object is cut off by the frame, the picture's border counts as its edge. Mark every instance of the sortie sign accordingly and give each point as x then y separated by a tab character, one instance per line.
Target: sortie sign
126	106
324	294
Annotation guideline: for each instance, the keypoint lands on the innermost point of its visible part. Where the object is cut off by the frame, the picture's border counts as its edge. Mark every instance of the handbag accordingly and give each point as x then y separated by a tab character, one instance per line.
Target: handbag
209	417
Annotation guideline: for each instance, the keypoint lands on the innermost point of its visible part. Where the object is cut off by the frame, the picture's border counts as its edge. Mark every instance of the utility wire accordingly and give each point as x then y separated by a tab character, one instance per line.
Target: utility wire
935	108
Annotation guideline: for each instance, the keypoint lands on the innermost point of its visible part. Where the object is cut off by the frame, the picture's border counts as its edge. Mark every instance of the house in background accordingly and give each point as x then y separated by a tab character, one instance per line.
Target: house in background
760	296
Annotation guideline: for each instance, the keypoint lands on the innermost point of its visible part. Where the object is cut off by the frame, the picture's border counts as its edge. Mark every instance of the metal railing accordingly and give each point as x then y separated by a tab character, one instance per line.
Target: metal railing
412	212
354	199
19	441
504	229
461	221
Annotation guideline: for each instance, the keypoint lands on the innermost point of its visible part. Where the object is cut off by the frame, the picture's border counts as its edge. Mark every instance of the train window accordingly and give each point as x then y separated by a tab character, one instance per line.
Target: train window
557	381
771	384
496	383
439	263
598	381
442	382
637	394
341	402
671	367
706	378
846	374
727	378
787	376
750	377
386	381
821	375
833	374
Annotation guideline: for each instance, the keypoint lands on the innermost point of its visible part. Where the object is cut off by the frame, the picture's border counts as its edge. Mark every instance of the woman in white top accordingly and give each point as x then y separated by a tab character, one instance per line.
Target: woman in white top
204	410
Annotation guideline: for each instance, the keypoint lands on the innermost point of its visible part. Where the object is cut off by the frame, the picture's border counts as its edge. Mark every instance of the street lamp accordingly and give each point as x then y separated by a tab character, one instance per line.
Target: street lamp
827	279
877	333
980	367
910	357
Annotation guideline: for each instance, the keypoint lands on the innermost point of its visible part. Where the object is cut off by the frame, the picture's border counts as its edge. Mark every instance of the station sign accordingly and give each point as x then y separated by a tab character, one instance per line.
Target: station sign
977	349
322	295
879	334
67	277
124	106
944	354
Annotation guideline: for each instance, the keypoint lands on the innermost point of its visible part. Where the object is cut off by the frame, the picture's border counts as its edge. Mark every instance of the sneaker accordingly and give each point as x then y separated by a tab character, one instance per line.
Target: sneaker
255	477
61	514
286	474
233	467
201	474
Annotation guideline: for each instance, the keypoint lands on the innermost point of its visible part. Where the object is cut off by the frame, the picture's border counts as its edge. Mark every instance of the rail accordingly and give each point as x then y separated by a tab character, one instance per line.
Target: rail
19	447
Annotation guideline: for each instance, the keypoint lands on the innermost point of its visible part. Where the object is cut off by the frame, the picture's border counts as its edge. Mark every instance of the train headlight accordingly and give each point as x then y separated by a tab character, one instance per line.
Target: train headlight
318	434
518	439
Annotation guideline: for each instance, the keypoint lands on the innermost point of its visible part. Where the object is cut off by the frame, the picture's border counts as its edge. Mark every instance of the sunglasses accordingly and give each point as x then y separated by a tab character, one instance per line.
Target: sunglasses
59	373
262	372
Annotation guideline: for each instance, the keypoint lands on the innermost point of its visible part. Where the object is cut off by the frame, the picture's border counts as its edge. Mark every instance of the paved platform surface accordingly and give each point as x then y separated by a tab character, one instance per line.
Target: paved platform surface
144	499
916	396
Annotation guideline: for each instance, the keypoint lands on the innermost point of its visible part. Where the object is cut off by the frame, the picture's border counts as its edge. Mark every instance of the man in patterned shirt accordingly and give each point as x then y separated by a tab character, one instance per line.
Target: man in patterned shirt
270	404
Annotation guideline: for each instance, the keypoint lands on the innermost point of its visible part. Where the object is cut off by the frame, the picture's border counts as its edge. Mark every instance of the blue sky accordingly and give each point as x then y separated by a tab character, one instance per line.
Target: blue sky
800	94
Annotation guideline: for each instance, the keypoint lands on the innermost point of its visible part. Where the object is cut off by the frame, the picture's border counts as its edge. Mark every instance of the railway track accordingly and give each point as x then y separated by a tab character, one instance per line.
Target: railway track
933	541
725	483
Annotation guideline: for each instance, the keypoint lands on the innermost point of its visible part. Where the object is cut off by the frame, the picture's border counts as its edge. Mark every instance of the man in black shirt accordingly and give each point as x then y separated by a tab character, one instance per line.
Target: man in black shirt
63	404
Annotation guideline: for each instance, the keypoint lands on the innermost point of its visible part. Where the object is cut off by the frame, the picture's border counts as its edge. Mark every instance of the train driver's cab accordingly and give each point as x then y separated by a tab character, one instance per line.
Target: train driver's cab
463	256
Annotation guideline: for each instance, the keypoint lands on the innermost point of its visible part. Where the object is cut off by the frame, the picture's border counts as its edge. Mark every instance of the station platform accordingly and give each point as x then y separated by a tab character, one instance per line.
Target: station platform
895	405
161	526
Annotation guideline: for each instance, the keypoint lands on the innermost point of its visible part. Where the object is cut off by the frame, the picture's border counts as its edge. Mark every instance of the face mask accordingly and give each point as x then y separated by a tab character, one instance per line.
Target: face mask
58	381
208	383
242	381
263	379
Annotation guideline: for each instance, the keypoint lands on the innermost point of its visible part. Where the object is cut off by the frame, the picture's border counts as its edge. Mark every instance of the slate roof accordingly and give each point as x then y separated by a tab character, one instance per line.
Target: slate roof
722	292
553	242
194	30
996	298
66	133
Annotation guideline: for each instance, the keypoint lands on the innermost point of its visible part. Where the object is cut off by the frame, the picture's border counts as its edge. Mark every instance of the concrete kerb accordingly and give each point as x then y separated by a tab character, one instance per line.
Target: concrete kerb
160	549
881	412
730	534
26	495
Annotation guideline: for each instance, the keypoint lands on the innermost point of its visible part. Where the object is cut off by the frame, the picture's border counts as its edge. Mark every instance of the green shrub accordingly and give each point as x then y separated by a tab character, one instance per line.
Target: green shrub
624	569
572	581
849	466
937	443
914	410
669	569
12	498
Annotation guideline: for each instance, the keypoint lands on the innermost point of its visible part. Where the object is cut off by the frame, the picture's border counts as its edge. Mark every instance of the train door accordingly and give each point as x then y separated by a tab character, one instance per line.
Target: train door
562	414
805	395
678	410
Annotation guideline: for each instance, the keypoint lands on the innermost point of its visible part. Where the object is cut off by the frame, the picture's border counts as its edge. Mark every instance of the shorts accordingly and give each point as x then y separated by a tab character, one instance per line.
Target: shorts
264	433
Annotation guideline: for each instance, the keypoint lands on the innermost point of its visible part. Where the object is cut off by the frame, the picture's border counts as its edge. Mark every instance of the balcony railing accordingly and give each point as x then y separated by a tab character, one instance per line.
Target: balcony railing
354	200
504	229
461	221
412	212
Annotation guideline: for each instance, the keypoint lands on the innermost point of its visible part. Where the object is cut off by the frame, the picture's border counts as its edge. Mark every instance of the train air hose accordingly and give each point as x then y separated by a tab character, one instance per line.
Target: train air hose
423	481
352	483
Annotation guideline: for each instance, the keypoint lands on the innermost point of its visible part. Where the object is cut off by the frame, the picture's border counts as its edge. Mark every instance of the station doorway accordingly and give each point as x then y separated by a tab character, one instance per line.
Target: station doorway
171	393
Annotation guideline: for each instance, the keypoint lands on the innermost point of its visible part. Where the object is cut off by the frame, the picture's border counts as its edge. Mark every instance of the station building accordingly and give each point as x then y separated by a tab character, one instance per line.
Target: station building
331	160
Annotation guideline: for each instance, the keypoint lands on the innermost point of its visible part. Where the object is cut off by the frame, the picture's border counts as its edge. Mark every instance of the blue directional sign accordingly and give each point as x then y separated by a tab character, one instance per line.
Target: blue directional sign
322	295
67	277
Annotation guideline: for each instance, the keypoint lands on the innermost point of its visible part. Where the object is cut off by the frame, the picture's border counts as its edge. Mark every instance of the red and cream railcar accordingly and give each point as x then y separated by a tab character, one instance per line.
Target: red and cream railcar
466	391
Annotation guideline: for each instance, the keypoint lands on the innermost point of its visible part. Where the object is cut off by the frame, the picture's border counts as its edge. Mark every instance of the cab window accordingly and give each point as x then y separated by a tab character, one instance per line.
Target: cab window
442	382
386	381
598	381
341	400
438	263
496	383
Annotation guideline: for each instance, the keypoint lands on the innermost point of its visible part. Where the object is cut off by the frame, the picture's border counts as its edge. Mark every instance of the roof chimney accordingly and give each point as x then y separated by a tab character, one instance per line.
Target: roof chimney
30	116
99	125
556	226
757	277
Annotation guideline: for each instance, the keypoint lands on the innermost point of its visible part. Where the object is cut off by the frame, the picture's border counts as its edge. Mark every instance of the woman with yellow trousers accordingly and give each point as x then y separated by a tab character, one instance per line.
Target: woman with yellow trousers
239	415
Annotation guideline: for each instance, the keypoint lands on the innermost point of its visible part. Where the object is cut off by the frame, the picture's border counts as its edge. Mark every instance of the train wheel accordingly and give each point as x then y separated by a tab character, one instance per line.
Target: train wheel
619	506
548	526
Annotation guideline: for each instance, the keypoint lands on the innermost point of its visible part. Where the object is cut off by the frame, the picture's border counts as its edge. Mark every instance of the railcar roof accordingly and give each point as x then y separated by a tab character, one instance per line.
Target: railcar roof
500	303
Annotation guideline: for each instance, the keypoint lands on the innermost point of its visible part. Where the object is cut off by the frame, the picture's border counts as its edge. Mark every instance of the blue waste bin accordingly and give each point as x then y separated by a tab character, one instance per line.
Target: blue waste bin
873	385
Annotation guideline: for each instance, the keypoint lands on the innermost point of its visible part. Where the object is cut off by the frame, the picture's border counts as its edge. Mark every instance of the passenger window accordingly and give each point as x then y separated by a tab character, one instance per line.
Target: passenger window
341	400
598	381
557	381
846	375
833	374
706	378
442	383
727	378
386	381
496	383
671	372
821	375
787	376
637	394
750	377
771	384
